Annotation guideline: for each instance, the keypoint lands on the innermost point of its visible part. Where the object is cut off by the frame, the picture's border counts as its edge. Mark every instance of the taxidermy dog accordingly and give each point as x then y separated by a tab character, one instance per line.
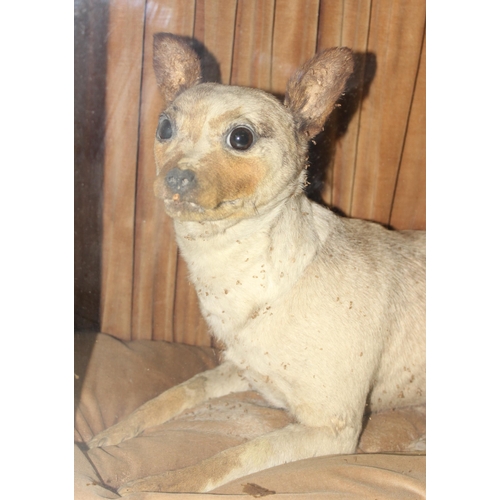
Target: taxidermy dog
321	314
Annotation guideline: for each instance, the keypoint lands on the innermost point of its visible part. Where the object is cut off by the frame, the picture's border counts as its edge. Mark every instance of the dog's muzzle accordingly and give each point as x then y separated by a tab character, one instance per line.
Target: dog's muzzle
180	181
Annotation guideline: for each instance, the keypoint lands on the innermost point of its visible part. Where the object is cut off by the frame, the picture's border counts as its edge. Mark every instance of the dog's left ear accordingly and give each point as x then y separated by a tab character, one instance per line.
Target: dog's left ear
315	87
176	65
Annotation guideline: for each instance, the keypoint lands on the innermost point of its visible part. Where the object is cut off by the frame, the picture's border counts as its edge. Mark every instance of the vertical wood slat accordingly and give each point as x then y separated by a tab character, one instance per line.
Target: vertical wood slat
214	27
123	86
409	198
294	39
396	32
253	41
155	251
90	62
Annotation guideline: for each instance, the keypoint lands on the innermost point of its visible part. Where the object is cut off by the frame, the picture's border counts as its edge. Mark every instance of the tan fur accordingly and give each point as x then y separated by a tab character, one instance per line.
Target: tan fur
322	315
177	68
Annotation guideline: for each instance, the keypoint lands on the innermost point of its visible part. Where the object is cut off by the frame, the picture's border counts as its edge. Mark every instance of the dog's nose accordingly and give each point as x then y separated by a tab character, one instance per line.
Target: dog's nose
180	181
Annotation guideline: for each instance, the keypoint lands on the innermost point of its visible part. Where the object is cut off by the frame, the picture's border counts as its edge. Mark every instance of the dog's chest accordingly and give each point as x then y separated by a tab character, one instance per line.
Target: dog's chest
239	274
235	280
228	299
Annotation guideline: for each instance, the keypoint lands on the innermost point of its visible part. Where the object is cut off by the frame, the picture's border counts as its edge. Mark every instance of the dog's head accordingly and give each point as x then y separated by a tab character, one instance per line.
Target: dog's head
225	151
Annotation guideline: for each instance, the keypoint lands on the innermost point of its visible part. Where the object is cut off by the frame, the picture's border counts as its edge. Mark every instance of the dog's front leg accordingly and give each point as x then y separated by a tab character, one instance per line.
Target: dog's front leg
209	384
293	442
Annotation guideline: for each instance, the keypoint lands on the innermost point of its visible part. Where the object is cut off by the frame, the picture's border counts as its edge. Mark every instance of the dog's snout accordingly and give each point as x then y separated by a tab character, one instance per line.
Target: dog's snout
180	181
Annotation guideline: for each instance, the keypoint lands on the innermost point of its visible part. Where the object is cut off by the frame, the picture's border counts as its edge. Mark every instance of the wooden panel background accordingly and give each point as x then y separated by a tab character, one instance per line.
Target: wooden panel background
373	148
90	24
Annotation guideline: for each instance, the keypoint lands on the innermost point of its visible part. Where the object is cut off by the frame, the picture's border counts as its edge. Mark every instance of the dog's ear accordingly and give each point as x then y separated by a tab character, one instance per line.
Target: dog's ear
315	87
176	65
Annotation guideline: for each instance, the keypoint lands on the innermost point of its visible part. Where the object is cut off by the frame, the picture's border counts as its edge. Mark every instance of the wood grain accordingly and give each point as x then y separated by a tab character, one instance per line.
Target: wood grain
253	38
395	37
214	27
124	56
408	209
91	25
294	39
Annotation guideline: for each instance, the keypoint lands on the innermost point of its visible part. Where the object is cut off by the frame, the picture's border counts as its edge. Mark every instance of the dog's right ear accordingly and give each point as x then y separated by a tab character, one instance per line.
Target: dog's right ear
176	65
315	87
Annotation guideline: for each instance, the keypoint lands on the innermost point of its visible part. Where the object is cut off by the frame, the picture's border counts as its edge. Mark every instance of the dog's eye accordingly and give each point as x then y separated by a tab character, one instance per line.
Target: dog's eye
241	138
164	130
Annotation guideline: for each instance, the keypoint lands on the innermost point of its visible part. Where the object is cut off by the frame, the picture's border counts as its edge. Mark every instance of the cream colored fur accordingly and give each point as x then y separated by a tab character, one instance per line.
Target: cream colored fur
323	315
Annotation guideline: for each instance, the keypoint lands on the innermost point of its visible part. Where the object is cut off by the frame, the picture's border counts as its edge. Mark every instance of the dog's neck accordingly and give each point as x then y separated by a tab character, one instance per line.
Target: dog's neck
259	258
280	227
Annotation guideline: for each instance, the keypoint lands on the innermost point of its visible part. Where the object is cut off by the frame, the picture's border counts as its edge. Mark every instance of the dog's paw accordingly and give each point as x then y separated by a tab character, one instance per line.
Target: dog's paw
138	486
114	435
99	440
147	484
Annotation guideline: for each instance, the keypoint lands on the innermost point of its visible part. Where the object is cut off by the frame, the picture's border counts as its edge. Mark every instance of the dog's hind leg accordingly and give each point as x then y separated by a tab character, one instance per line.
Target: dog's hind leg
293	442
206	385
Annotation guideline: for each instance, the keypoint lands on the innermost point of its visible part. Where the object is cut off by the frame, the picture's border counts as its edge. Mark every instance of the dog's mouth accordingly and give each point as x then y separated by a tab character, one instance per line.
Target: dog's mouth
177	204
180	208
